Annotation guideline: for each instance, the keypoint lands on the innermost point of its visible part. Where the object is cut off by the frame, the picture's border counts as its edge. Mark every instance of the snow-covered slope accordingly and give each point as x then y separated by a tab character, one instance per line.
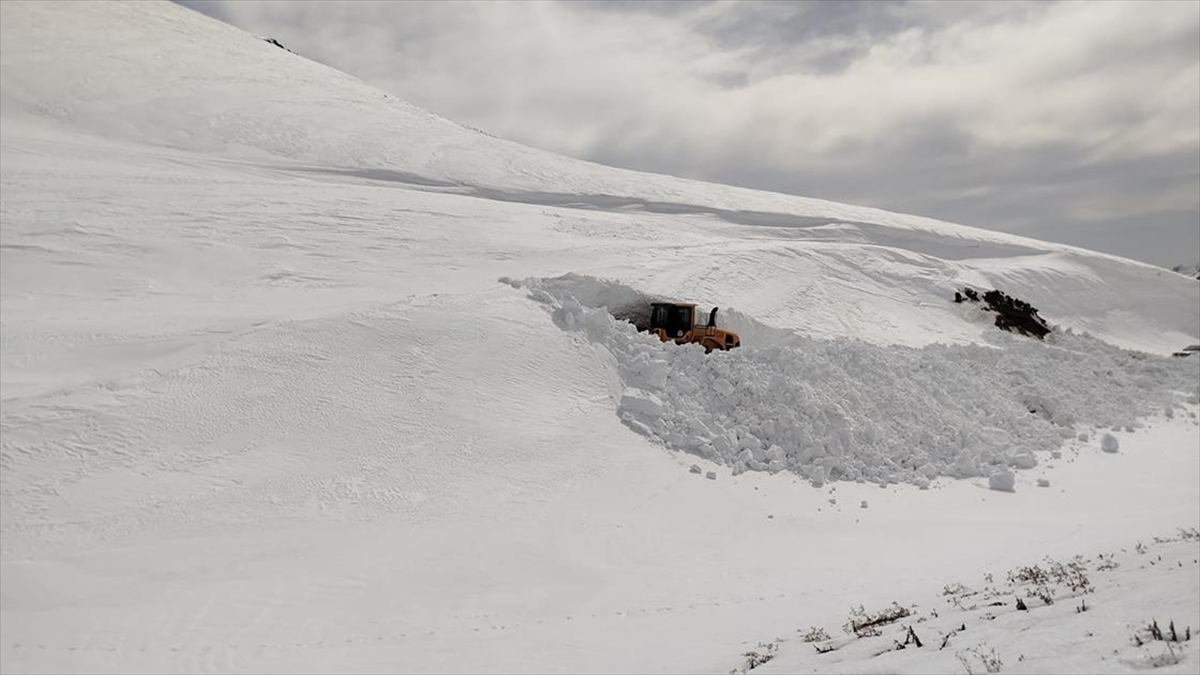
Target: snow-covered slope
1144	592
266	405
169	78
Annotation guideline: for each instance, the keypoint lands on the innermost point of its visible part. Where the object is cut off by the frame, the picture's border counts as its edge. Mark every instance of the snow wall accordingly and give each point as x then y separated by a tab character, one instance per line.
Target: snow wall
833	410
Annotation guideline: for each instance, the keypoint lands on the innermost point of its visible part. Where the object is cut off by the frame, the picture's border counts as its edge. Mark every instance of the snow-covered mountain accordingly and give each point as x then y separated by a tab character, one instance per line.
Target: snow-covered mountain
297	376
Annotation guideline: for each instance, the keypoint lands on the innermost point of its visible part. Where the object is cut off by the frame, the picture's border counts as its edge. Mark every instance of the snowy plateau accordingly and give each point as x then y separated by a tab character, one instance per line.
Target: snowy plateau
297	377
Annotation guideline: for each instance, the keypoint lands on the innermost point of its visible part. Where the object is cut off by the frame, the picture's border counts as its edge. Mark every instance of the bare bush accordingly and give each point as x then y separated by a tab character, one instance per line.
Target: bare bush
764	652
1152	633
864	624
957	593
987	658
815	634
1043	582
947	636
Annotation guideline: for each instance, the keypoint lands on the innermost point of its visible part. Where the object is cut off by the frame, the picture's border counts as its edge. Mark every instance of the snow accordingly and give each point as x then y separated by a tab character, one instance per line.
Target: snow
1109	443
1103	604
1002	480
852	410
265	406
641	403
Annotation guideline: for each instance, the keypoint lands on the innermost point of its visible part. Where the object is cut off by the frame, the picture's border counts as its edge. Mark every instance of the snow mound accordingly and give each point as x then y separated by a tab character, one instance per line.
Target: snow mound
849	410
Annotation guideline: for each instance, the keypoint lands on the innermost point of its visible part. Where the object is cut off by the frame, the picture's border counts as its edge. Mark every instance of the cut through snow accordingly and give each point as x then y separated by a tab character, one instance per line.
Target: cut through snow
849	410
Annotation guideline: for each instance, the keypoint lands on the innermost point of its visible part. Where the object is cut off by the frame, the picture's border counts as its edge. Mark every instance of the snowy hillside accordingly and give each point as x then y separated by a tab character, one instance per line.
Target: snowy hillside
296	376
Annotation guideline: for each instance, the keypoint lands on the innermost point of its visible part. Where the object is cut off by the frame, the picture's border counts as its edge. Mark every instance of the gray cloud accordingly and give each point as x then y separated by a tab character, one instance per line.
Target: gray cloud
1075	122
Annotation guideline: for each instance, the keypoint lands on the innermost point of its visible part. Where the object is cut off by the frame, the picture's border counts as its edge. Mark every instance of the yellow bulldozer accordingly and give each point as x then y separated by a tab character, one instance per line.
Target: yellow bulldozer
676	322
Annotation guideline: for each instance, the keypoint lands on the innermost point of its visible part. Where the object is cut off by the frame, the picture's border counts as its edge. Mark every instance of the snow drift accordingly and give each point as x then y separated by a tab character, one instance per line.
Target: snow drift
850	410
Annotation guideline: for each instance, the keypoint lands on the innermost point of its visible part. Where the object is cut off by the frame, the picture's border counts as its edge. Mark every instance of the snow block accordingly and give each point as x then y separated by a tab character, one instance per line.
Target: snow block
1109	443
1002	481
636	425
641	403
1022	459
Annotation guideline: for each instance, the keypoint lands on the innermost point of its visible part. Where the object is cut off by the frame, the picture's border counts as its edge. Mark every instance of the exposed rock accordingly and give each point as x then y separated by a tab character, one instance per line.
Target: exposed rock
1013	315
275	42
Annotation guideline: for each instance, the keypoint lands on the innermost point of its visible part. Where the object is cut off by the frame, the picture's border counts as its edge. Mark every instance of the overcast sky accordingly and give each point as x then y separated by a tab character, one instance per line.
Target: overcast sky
1073	122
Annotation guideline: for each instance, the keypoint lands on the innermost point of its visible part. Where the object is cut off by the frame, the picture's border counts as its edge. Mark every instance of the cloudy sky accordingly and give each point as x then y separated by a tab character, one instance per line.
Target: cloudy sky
1074	122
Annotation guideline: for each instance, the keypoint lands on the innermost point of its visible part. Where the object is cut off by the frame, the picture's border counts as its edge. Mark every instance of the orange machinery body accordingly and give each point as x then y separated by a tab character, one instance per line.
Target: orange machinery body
676	322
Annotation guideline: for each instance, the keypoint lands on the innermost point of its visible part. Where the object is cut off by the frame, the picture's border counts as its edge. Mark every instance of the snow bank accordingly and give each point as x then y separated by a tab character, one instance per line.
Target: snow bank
849	410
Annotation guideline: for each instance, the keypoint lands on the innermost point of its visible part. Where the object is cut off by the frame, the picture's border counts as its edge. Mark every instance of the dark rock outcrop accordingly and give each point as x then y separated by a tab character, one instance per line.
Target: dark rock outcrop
1013	315
275	42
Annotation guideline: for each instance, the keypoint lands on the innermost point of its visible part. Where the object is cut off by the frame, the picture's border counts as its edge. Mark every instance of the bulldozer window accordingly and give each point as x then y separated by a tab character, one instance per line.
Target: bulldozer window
659	318
680	321
674	320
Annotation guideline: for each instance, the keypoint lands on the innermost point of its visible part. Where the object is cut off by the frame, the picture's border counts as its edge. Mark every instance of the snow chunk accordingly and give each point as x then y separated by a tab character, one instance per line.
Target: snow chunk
641	403
636	425
1109	443
1002	481
1023	459
538	295
722	386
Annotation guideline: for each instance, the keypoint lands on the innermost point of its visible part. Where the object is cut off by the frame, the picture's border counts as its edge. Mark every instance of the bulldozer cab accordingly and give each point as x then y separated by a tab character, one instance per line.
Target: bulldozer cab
676	321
